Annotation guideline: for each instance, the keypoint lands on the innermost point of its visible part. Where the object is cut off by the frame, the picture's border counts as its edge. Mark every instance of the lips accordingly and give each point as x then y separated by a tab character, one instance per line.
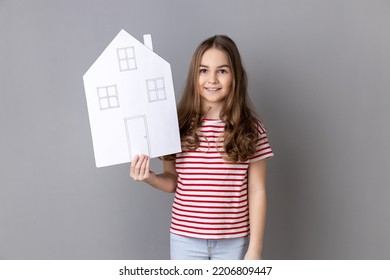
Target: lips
212	89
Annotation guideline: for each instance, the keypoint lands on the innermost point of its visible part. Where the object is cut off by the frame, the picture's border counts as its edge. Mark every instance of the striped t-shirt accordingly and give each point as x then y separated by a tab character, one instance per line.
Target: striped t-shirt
211	199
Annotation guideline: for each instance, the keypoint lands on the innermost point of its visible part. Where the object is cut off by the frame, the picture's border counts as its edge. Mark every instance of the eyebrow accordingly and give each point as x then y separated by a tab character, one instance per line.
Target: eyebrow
222	66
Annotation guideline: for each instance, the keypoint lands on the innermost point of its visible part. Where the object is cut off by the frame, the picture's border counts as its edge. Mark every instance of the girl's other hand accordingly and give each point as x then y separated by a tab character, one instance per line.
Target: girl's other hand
139	168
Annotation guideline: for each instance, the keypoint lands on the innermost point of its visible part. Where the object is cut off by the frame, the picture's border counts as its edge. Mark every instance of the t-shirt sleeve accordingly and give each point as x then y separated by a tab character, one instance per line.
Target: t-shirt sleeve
263	148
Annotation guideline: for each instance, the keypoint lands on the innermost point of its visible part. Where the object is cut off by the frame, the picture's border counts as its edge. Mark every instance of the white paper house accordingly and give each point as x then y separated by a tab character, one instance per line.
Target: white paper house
131	102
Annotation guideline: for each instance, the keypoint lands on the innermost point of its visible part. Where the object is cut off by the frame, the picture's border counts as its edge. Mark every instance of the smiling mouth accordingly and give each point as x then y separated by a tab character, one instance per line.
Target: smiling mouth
212	89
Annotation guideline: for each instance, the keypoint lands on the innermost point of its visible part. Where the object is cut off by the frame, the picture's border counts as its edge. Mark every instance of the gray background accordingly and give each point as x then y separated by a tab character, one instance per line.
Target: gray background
319	76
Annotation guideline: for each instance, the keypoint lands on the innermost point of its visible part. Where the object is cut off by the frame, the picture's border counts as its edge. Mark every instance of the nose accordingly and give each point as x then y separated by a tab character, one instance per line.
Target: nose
213	79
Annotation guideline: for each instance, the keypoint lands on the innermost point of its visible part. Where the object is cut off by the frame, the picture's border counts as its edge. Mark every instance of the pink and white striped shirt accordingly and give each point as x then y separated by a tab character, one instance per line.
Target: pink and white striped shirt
211	199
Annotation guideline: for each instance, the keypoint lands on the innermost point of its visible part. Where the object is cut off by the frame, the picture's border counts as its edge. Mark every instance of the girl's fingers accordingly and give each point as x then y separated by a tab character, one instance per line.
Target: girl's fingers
147	167
144	172
133	165
139	168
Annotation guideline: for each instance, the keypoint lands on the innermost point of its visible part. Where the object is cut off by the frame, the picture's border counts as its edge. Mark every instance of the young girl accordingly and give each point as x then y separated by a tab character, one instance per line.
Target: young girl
219	179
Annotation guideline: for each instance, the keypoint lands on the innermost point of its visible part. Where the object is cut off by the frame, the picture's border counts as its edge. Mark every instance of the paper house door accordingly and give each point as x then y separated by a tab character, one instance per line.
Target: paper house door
137	135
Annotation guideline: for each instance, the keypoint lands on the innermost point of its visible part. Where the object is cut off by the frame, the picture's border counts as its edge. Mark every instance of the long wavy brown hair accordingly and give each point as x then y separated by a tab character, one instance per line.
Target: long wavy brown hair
241	123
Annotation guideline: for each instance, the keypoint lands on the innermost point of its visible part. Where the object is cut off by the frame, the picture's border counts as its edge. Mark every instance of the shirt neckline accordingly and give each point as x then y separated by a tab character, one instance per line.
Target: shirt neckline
212	120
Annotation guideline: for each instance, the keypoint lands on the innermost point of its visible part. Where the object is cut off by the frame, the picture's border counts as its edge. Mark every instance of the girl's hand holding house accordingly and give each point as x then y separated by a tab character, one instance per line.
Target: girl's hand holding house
139	169
166	181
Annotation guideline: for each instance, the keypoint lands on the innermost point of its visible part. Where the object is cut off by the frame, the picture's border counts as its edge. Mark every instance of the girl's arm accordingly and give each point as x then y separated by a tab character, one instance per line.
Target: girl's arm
257	208
166	181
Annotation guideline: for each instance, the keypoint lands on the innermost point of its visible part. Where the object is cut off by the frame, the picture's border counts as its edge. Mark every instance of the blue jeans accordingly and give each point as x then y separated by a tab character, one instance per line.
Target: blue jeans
188	248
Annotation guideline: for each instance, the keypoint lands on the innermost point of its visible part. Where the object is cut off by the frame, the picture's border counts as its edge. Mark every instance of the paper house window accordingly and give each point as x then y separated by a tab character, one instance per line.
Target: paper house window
156	89
108	97
126	59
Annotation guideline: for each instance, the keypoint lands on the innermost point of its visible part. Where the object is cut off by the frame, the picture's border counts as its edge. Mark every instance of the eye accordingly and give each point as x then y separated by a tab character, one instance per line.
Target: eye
202	70
223	71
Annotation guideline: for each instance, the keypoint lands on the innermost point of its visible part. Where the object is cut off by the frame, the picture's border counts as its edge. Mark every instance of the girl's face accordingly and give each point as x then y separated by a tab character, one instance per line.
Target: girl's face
215	78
